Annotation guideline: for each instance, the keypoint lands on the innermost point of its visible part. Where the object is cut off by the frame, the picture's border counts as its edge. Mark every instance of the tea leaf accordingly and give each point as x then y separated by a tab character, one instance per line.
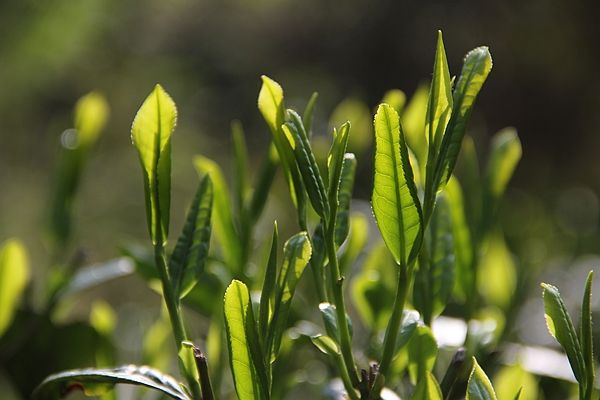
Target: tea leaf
585	335
151	133
188	258
306	163
335	159
344	196
296	255
91	114
94	382
222	219
395	203
307	116
326	344
395	98
410	321
479	386
14	275
268	284
561	328
510	381
358	234
241	166
413	123
428	389
505	154
331	326
476	68
422	352
263	184
237	310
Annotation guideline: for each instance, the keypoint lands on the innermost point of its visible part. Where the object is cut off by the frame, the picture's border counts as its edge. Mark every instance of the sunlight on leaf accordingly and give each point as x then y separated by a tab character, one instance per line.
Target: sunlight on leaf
14	275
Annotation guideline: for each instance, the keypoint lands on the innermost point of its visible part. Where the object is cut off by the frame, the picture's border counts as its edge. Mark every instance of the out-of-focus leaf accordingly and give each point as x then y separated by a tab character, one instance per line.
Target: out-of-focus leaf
155	341
263	184
422	351
497	273
102	317
307	165
268	285
97	274
307	116
395	202
476	67
222	219
237	309
188	258
357	239
296	255
428	389
240	152
505	154
14	275
561	328
151	133
585	336
479	386
342	223
413	122
355	110
435	278
91	114
395	98
97	381
471	182
510	381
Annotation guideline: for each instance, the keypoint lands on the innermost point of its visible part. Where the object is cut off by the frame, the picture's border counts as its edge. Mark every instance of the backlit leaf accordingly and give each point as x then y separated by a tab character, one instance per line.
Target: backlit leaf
14	275
395	203
344	196
479	386
422	352
151	133
91	114
428	389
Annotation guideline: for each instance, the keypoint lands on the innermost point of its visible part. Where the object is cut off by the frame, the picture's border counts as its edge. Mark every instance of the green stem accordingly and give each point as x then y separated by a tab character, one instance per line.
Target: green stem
391	333
175	316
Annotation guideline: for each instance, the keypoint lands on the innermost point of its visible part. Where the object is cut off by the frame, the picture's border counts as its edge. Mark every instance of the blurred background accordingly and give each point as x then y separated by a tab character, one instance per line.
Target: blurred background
209	55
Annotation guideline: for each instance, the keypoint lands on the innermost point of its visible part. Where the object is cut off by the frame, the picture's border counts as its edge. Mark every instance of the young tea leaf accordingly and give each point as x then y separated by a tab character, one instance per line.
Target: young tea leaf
91	114
326	344
94	381
505	154
585	336
428	389
268	284
237	309
395	203
151	133
241	166
344	196
561	328
307	116
422	352
188	258
14	275
479	386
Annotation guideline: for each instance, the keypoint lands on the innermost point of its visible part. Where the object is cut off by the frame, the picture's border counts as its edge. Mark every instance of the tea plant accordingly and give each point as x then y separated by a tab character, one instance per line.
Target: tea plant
436	238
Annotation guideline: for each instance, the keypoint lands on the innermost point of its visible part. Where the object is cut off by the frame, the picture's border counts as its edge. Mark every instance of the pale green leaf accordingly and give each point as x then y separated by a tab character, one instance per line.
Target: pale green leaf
328	312
505	154
428	389
413	122
189	257
510	381
395	202
14	275
91	114
94	381
151	133
561	328
476	68
395	98
355	110
422	352
497	276
479	386
237	309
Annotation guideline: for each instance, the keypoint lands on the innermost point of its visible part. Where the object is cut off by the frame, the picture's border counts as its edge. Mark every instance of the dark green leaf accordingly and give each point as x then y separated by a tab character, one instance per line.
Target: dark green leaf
97	381
151	134
479	386
585	336
395	203
188	258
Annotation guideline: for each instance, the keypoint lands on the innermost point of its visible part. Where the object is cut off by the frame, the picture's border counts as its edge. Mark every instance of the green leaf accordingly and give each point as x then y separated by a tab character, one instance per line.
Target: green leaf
306	163
395	98
14	275
435	278
270	103
91	114
330	318
358	235
439	108
355	110
505	154
561	328
296	255
413	122
98	381
510	381
410	321
222	219
241	166
237	310
395	203
268	284
479	386
520	395
476	68
335	159
585	335
326	344
264	182
346	186
497	276
189	257
151	133
422	352
428	389
307	116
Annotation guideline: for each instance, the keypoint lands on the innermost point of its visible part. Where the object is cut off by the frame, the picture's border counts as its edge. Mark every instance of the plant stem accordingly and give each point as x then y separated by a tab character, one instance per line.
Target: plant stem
175	316
393	327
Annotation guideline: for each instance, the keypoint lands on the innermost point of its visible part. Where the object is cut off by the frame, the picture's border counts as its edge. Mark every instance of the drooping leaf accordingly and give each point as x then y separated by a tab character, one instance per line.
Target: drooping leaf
395	203
422	352
268	284
188	258
585	335
342	223
296	255
14	275
237	309
561	328
476	68
222	220
151	133
428	389
98	381
479	386
306	164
